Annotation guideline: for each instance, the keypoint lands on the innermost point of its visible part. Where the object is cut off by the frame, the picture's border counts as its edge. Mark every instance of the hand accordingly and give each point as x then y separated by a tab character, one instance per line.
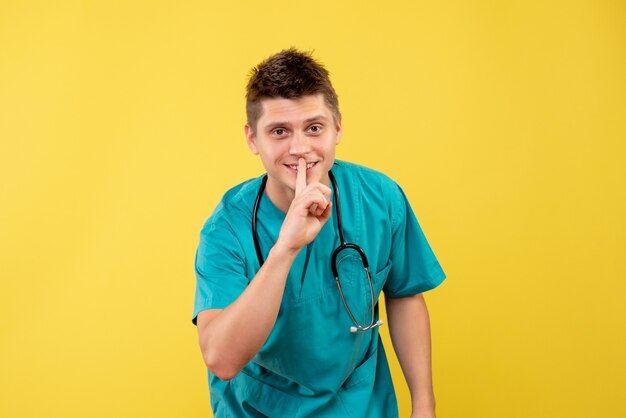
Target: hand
307	214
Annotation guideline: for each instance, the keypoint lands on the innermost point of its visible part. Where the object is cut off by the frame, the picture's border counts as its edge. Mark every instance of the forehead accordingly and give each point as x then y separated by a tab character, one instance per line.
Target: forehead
293	110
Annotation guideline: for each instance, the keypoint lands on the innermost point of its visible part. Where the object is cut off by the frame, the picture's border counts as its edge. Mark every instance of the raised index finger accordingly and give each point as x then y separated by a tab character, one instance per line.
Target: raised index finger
301	176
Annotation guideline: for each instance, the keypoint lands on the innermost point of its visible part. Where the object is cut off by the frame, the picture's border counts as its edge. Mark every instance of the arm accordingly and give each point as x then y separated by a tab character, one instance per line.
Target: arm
229	338
409	326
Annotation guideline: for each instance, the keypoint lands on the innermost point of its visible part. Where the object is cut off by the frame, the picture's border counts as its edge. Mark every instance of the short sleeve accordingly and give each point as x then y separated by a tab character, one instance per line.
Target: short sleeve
219	266
414	267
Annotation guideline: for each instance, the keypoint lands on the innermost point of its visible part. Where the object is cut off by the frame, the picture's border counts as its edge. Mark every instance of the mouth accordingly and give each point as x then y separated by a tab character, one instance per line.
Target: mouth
294	167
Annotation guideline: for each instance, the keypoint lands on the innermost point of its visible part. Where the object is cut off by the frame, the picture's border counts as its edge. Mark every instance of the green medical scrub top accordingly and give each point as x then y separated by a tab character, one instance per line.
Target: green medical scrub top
311	364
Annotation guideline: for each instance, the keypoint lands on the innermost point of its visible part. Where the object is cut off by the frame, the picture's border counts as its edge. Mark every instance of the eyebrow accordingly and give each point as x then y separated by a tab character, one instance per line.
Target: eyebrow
314	118
274	125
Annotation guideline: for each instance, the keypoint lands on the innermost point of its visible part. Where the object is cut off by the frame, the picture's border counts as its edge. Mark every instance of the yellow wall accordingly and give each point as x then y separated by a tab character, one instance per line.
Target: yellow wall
121	124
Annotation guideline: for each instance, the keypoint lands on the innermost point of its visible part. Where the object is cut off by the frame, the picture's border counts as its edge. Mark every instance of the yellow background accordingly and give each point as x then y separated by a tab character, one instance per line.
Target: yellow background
121	125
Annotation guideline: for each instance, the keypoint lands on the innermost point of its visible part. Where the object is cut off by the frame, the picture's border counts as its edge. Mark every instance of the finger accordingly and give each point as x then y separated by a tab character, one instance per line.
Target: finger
301	176
321	188
324	190
321	206
317	204
327	198
326	214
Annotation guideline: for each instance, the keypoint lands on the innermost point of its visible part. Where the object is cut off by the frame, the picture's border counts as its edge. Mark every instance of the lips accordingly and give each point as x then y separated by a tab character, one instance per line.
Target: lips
295	166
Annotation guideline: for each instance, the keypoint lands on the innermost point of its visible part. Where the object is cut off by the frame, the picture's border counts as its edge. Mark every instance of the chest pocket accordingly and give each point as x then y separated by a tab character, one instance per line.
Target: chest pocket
350	269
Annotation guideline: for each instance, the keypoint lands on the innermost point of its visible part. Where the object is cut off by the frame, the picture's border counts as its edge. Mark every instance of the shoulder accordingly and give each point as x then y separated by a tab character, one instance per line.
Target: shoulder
235	206
242	194
375	189
367	180
364	175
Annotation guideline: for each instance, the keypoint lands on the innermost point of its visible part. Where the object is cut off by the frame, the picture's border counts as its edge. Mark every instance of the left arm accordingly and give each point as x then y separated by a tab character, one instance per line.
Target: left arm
409	326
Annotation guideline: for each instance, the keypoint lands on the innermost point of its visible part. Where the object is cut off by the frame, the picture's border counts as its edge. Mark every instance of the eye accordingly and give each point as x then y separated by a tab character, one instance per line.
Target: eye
315	129
279	132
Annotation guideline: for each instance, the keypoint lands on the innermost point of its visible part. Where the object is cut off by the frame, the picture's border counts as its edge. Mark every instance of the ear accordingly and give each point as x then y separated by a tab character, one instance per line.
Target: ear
339	129
251	139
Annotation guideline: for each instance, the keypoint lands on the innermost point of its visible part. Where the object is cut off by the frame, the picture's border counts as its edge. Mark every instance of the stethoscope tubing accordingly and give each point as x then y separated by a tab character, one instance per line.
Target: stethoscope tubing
342	246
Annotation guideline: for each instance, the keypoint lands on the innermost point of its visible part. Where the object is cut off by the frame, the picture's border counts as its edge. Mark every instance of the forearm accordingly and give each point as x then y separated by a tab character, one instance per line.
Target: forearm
234	335
409	326
231	337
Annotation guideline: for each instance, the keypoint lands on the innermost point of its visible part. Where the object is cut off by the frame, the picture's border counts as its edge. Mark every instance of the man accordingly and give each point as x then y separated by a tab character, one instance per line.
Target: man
274	323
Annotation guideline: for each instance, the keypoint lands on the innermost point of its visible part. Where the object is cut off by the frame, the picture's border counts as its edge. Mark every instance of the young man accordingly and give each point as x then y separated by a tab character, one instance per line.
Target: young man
282	333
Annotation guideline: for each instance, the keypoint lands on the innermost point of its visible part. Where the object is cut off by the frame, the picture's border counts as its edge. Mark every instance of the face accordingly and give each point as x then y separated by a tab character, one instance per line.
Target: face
289	129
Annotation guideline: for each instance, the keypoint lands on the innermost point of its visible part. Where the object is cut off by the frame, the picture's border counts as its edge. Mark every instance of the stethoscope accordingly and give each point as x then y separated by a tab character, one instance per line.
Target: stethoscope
343	246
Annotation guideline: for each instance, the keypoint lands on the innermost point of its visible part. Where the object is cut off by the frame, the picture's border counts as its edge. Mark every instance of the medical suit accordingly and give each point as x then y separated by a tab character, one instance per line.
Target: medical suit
311	364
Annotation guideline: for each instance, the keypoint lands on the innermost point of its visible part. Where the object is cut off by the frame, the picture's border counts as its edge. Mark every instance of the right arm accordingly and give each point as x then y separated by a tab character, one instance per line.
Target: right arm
230	337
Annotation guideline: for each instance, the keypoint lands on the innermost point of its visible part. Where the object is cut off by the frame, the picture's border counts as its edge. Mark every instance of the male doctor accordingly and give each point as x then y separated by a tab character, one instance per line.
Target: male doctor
285	328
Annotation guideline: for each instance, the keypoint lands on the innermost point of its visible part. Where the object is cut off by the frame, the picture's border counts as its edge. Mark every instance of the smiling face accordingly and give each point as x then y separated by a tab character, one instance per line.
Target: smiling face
287	130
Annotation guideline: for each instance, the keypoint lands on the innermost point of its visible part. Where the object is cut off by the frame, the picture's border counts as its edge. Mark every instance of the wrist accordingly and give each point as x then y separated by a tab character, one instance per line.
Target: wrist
423	407
281	250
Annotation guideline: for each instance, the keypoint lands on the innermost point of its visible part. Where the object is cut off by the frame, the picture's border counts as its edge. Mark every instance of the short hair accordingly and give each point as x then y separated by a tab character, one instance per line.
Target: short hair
289	74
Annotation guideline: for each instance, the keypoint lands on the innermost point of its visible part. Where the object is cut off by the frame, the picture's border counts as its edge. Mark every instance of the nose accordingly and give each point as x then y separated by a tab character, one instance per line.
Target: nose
300	144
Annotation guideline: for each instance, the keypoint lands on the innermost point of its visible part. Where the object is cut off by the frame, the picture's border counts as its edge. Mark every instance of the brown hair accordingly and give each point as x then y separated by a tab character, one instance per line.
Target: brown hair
289	74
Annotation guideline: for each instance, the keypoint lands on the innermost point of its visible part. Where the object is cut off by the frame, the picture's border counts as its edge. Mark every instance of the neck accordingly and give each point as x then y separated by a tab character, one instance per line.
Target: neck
280	198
